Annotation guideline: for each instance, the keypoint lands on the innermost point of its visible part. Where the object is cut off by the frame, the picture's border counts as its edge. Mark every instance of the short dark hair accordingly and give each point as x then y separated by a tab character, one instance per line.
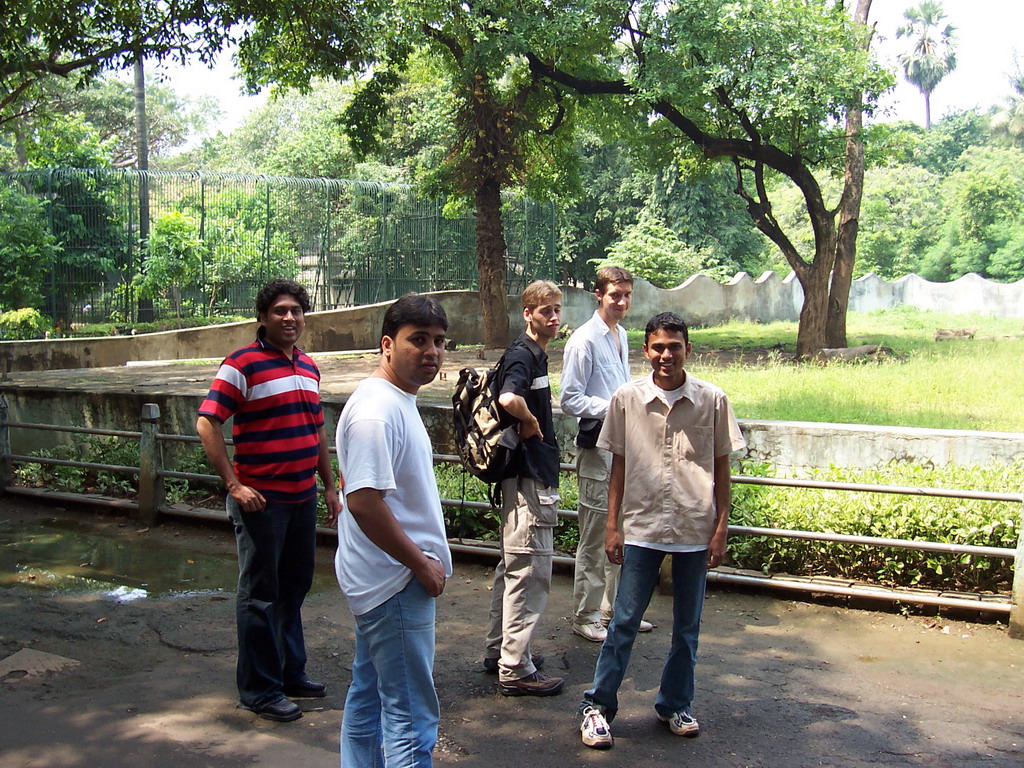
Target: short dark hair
413	309
268	295
666	321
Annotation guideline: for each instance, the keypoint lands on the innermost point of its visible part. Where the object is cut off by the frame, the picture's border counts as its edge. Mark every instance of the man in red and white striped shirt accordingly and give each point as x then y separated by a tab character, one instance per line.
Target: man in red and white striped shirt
271	389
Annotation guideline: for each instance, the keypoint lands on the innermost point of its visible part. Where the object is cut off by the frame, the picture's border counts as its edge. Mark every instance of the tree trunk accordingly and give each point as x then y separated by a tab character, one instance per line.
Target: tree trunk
810	335
927	111
145	307
490	258
849	212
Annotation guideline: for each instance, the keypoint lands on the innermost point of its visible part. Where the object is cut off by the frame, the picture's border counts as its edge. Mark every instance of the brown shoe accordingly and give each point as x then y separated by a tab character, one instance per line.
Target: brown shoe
537	684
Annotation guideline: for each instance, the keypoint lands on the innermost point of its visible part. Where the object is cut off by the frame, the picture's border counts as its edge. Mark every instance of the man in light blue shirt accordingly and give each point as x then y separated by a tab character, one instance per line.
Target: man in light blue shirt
594	365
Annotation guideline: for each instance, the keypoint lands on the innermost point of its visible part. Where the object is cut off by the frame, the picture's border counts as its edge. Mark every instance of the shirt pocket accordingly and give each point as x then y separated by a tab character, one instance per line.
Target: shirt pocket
695	444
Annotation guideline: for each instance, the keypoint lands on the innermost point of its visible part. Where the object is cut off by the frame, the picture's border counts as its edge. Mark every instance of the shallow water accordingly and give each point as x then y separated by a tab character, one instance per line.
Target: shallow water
112	557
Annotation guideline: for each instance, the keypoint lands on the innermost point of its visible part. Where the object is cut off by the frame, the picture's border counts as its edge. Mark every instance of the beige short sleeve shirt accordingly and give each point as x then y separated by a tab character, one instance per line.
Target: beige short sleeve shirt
670	454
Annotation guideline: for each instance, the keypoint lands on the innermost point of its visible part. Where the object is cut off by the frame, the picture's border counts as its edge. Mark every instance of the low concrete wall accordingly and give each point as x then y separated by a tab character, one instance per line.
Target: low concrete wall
700	300
788	446
334	330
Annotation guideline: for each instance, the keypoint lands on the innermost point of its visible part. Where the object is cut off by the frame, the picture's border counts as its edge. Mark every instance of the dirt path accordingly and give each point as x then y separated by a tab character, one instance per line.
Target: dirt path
779	684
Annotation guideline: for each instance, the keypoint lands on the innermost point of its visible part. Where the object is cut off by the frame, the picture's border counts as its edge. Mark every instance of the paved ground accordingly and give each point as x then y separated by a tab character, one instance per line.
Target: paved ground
340	373
781	684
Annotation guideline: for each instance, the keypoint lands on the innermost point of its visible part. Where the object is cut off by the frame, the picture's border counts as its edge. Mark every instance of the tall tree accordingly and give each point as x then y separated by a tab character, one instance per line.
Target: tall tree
932	55
1009	121
760	82
505	120
108	105
849	205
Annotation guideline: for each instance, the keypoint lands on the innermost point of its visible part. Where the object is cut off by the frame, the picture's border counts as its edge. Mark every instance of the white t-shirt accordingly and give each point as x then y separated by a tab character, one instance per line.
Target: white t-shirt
383	444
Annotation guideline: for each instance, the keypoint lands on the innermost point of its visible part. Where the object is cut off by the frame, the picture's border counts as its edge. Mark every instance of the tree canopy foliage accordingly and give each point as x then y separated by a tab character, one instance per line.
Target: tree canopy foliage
761	82
719	135
41	40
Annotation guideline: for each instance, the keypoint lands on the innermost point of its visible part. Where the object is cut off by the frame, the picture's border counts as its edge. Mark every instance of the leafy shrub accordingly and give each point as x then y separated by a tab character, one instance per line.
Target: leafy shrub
27	249
157	326
959	521
96	450
178	490
454	482
24	323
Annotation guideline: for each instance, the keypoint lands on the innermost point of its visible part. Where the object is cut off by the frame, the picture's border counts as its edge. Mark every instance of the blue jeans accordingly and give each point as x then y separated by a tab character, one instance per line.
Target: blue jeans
640	569
391	711
276	555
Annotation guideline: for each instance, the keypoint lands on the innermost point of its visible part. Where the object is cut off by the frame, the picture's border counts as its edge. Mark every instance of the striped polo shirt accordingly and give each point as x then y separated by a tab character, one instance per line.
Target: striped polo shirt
275	403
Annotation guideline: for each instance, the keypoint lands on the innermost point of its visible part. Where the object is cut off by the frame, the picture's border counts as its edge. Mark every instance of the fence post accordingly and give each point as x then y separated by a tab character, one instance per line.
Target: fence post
151	484
6	468
1017	607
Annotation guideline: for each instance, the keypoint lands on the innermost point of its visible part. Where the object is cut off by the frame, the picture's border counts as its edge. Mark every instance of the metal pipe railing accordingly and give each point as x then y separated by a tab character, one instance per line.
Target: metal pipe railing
151	503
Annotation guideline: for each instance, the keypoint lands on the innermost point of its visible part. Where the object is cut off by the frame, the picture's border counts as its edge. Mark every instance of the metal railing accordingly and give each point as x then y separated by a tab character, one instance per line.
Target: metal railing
150	504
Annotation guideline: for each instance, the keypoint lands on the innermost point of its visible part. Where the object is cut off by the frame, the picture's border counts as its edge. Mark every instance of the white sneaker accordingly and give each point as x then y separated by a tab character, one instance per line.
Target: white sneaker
681	723
595	730
645	625
594	632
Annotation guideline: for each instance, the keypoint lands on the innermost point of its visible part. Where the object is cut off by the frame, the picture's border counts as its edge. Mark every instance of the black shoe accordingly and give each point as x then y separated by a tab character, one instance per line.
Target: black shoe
491	665
305	689
282	711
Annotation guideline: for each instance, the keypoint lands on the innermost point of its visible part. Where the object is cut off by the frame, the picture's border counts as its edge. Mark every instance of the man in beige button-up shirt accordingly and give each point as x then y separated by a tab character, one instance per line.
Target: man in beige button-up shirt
670	437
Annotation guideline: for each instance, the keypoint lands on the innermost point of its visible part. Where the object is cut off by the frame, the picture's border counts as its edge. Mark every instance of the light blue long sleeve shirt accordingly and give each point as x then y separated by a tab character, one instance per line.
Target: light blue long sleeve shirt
592	368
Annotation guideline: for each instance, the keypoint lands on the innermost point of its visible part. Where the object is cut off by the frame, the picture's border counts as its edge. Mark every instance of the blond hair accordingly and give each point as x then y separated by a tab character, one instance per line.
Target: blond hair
540	292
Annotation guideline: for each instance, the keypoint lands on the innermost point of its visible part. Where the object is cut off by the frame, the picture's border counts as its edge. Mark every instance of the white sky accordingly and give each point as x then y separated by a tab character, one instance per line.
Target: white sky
987	33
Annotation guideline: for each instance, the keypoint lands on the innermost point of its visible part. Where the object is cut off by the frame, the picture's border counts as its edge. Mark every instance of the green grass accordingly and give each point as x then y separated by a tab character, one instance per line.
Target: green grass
962	384
968	385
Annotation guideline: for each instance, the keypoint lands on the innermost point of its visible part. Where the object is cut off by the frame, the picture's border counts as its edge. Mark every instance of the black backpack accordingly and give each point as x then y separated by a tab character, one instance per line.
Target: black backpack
485	435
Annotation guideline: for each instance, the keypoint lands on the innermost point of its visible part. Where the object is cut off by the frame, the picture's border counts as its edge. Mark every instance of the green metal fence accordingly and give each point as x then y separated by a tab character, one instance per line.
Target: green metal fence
224	235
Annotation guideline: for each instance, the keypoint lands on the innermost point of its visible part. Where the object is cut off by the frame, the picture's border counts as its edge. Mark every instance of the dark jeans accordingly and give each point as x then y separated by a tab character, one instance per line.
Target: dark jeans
640	569
276	553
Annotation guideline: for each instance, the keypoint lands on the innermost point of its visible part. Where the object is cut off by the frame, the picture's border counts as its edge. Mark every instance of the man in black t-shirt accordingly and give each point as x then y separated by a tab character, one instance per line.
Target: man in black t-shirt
529	508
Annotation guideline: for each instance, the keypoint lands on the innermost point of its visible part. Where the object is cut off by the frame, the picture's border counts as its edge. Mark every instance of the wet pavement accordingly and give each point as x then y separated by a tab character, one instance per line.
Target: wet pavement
780	683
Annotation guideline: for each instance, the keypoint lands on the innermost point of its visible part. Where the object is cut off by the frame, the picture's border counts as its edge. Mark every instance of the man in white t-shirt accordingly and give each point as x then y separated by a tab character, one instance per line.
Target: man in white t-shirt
393	556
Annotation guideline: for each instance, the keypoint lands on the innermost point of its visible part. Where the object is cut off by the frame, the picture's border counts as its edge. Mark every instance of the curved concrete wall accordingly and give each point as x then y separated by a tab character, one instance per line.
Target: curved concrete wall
700	300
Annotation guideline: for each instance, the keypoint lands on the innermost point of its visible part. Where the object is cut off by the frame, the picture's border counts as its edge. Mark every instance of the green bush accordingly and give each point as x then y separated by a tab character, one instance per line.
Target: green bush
27	249
24	323
97	450
959	521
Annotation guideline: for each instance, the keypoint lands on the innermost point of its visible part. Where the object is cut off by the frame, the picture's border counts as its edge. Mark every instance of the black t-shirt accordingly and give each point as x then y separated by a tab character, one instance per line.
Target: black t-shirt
525	373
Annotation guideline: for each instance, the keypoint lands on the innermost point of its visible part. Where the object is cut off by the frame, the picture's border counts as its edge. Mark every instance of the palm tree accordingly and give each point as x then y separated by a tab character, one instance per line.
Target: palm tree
1009	121
933	55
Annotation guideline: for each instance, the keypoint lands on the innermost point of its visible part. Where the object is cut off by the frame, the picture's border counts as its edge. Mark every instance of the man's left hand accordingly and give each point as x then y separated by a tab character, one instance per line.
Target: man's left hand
333	506
716	548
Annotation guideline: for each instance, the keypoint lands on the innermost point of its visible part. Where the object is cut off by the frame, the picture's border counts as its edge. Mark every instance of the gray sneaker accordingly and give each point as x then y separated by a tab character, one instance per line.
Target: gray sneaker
537	684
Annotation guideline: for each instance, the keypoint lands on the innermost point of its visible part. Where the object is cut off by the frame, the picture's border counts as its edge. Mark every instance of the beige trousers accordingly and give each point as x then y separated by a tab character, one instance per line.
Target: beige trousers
522	580
597	578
